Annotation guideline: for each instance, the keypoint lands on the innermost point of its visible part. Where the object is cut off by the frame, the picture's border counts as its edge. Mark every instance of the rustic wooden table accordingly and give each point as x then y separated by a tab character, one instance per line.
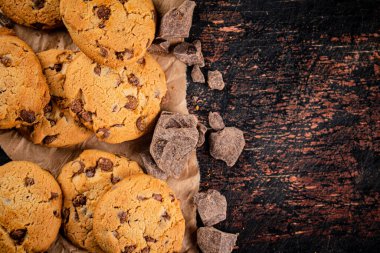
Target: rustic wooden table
303	80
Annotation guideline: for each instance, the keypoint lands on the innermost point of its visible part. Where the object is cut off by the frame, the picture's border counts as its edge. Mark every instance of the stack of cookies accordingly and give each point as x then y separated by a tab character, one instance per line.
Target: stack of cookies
111	88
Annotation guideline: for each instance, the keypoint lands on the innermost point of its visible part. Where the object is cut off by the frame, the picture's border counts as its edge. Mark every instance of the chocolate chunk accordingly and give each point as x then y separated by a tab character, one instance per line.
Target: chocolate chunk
48	108
104	132
227	145
157	197
86	116
58	67
176	23
52	122
215	121
114	179
38	4
49	139
149	239
141	124
165	216
90	172
105	164
103	12
76	106
28	181
132	79
53	195
215	80
103	52
132	103
27	116
18	235
97	69
56	213
202	129
212	207
151	166
66	215
189	54
6	61
212	240
159	47
129	249
197	75
79	200
175	138
145	250
141	61
5	21
127	53
122	216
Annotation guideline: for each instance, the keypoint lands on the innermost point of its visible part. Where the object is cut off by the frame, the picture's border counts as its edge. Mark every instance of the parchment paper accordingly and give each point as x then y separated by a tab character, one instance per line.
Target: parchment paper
52	159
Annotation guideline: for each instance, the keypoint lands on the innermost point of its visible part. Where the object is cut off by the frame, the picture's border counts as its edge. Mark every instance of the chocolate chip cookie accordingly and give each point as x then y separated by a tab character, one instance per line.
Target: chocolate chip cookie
117	104
57	127
30	204
39	14
113	32
23	89
83	182
139	214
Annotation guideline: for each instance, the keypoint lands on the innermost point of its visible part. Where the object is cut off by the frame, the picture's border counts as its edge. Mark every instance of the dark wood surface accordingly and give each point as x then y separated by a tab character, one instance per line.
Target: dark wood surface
303	80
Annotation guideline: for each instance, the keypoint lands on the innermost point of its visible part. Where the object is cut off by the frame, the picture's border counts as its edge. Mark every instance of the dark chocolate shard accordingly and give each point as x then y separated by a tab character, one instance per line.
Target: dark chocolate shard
202	129
197	75
212	207
190	54
212	240
151	166
227	145
176	23
159	47
175	138
215	121
215	80
27	116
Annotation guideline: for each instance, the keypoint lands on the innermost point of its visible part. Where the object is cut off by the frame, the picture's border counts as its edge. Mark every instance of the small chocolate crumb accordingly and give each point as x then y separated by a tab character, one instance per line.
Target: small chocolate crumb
18	235
105	164
103	52
141	198
66	214
79	200
90	172
58	67
6	61
197	75
129	249
53	195
215	121
132	79
172	198
132	103
52	122
122	216
103	12
140	124
202	129
116	234
28	181
114	179
157	197
104	132
127	53
86	116
97	69
49	139
215	80
165	216
150	239
27	116
56	213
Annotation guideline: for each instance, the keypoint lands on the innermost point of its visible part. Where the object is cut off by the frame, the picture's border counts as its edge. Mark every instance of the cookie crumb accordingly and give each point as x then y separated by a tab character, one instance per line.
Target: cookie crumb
215	80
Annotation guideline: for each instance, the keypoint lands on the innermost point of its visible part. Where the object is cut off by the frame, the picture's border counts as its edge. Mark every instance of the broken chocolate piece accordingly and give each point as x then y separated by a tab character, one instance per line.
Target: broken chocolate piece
105	164
103	12
215	80
18	235
175	138
28	181
227	145
190	54
176	23
197	75
215	121
149	239
212	207
202	129
145	250
211	240
49	138
151	167
159	47
79	200
27	116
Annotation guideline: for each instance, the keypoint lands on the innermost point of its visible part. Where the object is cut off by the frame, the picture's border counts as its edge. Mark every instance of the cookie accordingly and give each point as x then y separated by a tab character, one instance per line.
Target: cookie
112	32
57	128
83	182
30	204
117	104
40	14
139	214
23	89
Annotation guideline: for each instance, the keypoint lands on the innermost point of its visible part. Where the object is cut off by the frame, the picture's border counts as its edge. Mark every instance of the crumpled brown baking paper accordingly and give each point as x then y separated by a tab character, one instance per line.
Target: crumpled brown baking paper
52	159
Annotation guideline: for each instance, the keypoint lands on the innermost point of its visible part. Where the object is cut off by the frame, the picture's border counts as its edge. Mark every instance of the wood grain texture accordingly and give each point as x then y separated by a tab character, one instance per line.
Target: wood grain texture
303	81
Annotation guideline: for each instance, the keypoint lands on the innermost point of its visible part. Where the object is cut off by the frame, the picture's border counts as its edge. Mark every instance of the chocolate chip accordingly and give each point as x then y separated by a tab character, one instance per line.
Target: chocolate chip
140	124
27	116
126	53
105	164
76	106
103	52
79	200
115	180
53	195
101	25
6	61
165	216
49	139
122	216
38	4
58	67
66	214
103	12
28	181
145	250
141	61
118	125
116	234
132	103
132	79
141	198
105	132
172	198
97	69
123	1
76	215
149	239
56	213
157	197
90	172
189	53
86	116
129	249
52	122
18	235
